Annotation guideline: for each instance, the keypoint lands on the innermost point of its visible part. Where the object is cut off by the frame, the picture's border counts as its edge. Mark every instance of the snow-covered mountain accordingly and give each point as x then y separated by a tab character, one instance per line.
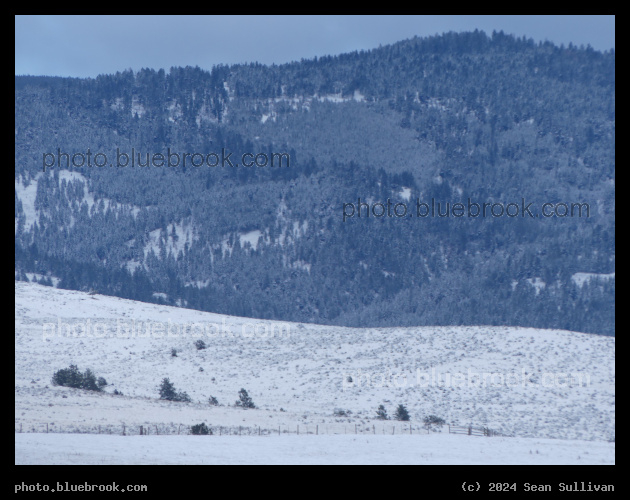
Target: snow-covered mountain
468	118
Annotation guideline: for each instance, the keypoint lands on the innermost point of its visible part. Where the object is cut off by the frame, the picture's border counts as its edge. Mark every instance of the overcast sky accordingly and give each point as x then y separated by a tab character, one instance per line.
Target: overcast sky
86	46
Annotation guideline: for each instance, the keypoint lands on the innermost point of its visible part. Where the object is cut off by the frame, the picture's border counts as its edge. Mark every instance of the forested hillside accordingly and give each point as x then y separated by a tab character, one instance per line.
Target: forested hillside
490	118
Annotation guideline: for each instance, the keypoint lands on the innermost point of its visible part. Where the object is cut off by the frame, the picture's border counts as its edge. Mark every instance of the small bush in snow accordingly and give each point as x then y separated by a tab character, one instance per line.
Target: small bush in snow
338	412
200	430
434	420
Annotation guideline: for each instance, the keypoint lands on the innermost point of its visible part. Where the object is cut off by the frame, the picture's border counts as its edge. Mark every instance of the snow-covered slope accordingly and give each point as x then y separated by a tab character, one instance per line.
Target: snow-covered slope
300	373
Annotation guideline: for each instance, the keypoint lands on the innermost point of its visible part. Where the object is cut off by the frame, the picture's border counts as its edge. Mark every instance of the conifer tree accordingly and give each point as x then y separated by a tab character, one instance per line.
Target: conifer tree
167	390
381	413
401	413
244	400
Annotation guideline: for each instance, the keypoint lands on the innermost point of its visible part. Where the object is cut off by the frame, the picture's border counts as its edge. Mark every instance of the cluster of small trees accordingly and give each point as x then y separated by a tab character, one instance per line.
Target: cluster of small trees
169	393
73	377
400	414
403	414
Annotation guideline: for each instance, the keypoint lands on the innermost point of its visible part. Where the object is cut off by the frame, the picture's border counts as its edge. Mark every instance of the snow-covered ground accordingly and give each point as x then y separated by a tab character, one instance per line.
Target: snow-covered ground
441	449
522	382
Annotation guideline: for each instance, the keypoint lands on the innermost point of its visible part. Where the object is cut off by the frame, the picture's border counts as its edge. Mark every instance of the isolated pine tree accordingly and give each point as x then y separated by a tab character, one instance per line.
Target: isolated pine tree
213	401
244	400
381	413
401	413
167	390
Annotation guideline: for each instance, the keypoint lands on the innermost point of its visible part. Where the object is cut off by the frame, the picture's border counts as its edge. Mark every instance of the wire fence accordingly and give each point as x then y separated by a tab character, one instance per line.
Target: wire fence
147	429
473	431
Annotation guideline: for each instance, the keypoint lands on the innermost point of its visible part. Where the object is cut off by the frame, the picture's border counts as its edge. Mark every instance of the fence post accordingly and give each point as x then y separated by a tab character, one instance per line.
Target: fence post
278	430
409	428
470	430
355	428
141	430
317	430
124	430
298	430
374	429
46	427
393	429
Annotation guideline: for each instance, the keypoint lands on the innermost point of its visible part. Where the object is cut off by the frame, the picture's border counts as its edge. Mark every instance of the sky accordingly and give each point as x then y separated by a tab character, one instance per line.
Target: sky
86	46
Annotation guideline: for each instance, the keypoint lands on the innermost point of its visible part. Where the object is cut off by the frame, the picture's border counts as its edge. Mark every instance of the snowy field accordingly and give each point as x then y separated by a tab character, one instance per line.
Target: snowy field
441	449
522	382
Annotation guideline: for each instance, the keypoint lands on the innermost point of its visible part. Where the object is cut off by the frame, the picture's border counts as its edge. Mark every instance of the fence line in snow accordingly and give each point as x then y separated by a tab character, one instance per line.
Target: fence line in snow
219	430
472	431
